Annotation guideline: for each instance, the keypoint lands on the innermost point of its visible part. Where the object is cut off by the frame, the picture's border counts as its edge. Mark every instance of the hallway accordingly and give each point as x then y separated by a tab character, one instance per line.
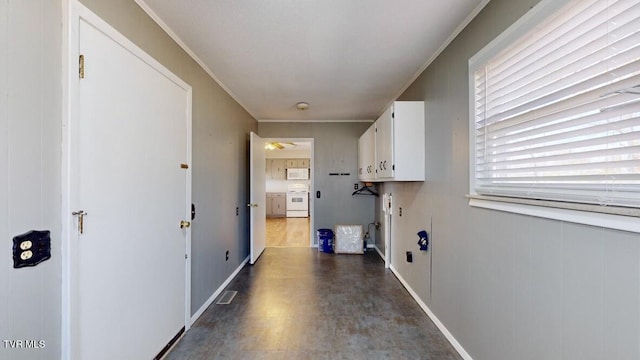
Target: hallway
296	303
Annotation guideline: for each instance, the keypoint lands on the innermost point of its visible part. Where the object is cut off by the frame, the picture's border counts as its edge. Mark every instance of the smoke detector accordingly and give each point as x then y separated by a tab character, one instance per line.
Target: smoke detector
302	105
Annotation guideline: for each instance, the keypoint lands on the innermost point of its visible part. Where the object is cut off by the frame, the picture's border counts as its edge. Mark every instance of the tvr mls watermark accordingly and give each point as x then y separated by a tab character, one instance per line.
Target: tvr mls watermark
24	344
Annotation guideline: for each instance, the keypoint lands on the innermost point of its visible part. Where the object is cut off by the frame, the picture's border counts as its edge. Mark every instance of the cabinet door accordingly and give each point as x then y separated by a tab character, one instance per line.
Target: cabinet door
268	210
366	155
384	145
279	205
303	163
278	169
408	141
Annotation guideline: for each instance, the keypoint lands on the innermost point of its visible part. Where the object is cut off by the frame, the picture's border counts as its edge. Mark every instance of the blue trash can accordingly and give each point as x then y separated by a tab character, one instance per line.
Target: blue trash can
325	240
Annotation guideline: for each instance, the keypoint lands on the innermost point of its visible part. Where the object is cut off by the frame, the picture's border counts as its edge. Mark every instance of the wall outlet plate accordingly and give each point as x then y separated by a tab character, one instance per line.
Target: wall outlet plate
31	248
409	256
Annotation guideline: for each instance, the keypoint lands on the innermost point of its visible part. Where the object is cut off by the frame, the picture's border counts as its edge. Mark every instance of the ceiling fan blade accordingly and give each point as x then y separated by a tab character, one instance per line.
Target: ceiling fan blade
280	145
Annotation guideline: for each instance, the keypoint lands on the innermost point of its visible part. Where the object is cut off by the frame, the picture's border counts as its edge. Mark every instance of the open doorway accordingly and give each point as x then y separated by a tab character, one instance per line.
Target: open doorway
289	183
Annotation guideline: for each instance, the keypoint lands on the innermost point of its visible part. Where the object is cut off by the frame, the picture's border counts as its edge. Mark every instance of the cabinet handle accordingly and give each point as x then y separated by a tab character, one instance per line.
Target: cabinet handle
380	165
384	164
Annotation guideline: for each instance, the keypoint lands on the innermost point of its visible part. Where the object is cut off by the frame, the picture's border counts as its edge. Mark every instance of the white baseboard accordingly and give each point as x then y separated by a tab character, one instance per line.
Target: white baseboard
218	292
379	252
463	353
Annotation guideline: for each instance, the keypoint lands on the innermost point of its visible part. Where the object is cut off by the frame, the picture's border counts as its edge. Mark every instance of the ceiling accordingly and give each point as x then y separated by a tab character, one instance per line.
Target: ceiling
347	58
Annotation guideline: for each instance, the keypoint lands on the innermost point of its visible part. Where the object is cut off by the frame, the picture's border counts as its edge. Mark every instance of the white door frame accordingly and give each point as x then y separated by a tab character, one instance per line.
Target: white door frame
73	11
387	208
311	178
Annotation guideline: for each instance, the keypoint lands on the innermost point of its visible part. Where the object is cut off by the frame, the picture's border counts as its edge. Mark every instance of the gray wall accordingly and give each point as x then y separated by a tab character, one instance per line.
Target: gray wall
507	286
30	158
220	128
336	151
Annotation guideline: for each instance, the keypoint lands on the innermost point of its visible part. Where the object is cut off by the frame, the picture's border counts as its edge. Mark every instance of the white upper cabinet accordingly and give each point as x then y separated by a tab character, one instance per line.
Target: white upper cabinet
303	163
384	145
366	155
276	169
297	163
398	151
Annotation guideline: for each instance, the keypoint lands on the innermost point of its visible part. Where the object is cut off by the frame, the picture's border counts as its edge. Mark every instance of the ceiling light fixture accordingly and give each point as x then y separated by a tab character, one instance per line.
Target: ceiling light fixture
302	105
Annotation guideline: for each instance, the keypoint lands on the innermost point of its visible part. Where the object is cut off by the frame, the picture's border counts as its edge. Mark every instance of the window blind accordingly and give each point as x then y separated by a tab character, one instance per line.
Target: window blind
556	113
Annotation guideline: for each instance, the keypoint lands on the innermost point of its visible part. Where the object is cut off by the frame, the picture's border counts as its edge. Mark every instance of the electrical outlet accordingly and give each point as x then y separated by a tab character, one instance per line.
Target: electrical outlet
226	256
409	256
355	186
31	248
26	245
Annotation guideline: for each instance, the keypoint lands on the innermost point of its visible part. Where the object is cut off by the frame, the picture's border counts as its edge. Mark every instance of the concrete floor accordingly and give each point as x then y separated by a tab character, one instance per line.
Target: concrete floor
296	303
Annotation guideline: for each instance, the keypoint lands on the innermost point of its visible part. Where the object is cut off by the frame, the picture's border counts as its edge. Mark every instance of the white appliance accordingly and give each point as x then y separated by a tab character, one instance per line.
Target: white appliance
298	200
298	174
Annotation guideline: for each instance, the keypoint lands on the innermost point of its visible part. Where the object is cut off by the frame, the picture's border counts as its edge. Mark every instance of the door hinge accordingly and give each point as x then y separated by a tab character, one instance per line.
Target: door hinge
80	214
393	115
184	166
185	256
81	67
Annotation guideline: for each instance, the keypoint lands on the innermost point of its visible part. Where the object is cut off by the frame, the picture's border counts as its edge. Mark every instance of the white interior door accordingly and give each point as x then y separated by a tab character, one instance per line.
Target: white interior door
132	133
257	196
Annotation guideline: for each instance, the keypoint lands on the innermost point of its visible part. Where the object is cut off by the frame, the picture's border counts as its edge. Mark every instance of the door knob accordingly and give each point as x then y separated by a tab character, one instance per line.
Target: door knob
184	224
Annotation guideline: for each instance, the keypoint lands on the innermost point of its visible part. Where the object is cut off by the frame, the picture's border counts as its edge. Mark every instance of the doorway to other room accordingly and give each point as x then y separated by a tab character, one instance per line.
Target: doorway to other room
289	181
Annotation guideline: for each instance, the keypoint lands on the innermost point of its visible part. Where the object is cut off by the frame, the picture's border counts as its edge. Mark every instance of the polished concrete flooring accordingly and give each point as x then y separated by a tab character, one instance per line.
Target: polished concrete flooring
296	303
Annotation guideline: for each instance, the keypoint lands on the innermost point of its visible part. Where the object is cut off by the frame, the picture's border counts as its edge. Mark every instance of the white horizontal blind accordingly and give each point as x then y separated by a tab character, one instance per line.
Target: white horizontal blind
556	114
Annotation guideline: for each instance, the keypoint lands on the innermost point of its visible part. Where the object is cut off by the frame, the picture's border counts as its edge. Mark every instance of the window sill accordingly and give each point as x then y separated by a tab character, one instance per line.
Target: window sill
612	217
